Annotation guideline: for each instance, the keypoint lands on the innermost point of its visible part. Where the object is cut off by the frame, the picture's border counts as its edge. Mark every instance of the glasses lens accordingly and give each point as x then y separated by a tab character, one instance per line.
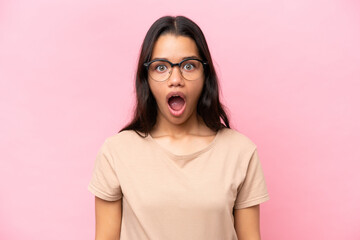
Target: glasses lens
159	70
192	69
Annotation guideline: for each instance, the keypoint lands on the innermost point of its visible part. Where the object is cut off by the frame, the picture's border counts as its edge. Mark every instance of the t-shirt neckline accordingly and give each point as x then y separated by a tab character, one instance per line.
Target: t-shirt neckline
186	156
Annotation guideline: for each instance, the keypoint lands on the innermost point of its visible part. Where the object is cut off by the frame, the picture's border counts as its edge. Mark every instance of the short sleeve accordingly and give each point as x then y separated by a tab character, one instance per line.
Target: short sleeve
104	182
252	190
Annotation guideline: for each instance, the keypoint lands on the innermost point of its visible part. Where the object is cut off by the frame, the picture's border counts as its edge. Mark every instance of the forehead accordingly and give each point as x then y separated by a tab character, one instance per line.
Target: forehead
174	47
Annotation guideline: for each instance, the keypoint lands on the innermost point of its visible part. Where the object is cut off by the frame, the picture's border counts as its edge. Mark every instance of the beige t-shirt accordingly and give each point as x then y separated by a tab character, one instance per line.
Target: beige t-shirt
176	197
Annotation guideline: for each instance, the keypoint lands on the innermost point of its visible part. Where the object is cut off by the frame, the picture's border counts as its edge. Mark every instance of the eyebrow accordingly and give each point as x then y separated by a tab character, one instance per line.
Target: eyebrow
181	59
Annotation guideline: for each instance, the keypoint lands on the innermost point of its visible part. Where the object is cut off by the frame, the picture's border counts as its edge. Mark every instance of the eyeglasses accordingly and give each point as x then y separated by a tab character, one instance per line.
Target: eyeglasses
160	69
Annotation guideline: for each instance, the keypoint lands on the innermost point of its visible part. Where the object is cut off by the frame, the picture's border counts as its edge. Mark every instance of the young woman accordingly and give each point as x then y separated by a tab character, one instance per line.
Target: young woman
177	171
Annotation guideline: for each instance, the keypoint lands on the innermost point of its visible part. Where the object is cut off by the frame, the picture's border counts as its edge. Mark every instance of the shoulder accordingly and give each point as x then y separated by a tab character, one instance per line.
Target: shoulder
123	138
236	139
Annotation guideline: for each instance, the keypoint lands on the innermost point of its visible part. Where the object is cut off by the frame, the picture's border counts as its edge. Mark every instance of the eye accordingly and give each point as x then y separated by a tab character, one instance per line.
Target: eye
161	68
189	66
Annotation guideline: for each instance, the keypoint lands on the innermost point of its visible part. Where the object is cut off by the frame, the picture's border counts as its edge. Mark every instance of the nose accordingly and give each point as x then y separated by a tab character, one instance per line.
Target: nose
176	78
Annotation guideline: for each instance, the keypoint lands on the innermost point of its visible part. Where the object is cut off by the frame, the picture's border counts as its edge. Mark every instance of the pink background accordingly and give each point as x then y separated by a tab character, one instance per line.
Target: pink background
289	70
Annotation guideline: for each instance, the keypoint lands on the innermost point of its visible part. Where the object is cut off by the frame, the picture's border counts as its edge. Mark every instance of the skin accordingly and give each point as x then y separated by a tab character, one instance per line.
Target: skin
108	219
184	134
247	223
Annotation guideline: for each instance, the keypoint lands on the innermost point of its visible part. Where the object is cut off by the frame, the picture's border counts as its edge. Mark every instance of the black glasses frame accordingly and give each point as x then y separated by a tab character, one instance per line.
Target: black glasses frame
147	64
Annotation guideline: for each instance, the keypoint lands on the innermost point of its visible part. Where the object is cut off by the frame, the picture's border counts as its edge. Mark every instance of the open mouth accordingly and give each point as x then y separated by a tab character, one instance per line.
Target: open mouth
176	104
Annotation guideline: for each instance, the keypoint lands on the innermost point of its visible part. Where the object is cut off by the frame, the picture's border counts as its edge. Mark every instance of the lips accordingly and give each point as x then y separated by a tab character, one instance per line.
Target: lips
176	103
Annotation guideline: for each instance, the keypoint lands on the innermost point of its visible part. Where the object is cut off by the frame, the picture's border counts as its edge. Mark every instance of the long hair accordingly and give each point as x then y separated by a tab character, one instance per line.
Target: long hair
209	107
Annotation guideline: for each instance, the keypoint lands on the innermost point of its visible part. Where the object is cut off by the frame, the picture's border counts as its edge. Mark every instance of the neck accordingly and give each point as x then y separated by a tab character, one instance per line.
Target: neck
192	126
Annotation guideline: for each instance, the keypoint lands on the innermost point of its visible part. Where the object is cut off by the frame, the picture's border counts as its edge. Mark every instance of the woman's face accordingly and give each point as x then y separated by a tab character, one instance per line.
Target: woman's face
179	109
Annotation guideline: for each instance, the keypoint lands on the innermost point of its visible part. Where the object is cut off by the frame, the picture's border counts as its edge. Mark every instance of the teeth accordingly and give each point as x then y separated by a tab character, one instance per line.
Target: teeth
175	96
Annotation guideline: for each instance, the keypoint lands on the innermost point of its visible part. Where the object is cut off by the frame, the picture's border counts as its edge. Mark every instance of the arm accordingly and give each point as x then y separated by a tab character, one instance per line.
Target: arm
247	223
108	219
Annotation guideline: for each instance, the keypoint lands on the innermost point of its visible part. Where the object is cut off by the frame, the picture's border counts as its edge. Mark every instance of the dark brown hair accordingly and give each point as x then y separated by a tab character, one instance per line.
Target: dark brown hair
209	107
